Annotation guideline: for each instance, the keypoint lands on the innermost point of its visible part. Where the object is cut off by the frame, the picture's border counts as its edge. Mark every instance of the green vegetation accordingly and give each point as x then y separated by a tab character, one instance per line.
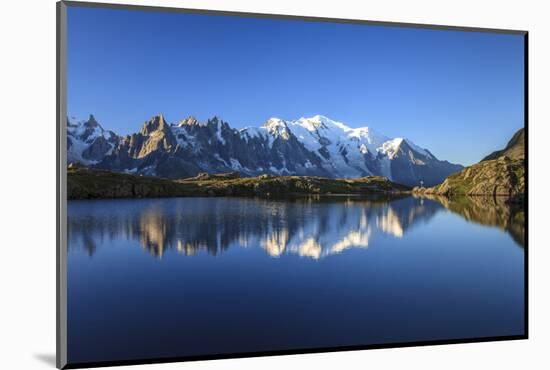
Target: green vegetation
231	184
85	183
501	173
497	177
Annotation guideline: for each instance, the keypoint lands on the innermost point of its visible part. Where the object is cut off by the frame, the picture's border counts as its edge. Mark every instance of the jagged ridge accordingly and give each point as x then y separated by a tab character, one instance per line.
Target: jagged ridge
316	146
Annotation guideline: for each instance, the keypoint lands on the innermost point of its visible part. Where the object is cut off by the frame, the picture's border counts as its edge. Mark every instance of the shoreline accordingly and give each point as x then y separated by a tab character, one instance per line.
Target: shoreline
83	183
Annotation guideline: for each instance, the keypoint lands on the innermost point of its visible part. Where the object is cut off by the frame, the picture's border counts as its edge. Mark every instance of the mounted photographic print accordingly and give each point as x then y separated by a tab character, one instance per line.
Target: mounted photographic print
235	184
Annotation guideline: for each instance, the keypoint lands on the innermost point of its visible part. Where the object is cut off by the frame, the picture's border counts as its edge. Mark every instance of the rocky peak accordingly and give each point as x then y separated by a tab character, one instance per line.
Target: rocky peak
277	127
217	125
155	136
157	123
189	121
214	121
91	122
72	122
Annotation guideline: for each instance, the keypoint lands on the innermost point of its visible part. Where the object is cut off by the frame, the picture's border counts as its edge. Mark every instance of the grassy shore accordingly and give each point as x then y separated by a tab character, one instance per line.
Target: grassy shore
83	183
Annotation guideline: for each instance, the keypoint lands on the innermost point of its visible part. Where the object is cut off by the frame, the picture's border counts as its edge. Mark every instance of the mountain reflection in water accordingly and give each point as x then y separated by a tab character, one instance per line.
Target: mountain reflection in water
489	211
308	227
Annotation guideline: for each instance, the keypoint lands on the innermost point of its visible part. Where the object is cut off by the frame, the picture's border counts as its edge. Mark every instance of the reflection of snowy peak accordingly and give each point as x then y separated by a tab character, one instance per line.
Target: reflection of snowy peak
345	228
317	230
316	146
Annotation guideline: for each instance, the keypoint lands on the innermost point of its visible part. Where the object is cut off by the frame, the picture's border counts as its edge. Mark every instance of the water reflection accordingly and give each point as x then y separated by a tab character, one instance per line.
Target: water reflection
313	228
490	211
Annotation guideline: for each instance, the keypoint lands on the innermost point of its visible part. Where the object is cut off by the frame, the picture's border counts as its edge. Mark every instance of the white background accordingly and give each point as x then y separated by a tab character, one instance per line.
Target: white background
27	137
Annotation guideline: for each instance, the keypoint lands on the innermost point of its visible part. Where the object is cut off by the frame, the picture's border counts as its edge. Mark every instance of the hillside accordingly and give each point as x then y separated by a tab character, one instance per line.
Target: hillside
83	183
502	173
515	149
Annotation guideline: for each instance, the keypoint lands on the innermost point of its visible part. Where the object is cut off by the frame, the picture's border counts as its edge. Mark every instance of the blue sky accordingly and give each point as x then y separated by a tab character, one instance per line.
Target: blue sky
459	94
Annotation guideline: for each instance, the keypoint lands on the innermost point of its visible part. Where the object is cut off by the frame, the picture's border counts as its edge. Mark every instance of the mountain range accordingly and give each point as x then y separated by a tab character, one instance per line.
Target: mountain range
315	146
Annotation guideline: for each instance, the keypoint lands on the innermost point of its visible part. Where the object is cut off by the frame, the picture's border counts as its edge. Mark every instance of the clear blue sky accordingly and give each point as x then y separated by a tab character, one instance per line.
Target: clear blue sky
459	94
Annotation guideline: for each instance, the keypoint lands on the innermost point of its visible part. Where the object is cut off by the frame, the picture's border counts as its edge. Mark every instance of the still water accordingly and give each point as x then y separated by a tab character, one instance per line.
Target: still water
157	278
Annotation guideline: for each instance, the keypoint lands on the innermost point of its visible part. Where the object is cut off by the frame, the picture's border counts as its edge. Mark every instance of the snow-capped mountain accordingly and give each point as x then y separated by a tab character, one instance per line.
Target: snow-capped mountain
316	146
87	142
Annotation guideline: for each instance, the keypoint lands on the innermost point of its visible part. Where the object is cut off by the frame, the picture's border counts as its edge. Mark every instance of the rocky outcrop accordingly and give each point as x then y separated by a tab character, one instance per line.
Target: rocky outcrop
99	148
154	136
500	174
497	177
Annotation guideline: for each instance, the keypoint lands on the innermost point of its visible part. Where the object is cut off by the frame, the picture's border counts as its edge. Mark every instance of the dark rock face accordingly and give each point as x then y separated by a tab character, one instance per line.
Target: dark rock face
90	127
190	147
97	150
